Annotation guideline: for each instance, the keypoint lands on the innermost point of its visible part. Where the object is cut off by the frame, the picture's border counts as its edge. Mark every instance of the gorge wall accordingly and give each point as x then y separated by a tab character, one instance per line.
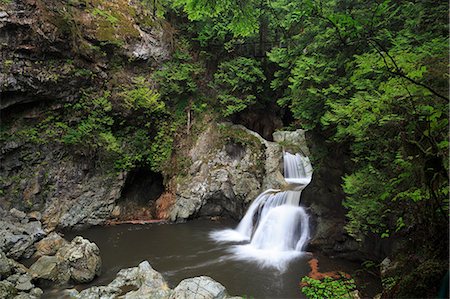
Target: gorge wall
52	52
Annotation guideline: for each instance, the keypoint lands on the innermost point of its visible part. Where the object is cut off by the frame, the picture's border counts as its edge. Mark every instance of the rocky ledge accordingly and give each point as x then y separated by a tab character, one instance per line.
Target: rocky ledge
144	282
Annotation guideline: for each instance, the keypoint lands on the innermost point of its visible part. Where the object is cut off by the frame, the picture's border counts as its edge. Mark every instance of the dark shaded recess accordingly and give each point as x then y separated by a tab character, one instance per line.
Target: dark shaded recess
142	186
264	121
13	103
221	206
235	151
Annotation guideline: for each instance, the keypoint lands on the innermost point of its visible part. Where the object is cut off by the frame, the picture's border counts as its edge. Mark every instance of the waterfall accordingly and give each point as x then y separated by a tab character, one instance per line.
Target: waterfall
275	228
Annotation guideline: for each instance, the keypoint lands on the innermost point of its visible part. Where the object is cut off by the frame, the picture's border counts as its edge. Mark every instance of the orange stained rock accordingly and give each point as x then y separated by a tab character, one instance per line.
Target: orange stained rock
163	203
316	274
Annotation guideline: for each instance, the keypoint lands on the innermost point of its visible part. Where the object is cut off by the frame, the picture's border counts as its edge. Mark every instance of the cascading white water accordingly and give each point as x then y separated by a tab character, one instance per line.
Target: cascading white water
275	226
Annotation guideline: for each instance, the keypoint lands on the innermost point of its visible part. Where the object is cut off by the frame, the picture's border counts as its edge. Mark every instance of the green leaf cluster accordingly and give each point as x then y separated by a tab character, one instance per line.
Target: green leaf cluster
238	83
328	288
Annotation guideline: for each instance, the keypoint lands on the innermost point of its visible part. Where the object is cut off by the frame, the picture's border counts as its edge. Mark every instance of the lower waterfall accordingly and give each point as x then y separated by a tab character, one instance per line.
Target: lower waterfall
275	229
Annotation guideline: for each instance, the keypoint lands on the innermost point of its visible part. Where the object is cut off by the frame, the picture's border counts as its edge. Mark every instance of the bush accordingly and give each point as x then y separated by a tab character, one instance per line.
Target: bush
238	84
328	288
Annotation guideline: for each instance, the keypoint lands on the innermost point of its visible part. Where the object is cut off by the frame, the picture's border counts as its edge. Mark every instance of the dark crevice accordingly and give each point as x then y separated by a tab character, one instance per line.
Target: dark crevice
141	190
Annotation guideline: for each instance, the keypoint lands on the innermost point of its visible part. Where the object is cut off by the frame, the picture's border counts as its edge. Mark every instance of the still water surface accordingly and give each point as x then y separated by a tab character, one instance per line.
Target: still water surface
180	251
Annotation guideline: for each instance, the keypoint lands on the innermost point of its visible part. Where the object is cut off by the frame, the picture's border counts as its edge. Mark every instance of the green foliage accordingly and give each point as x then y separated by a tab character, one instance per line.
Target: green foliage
373	77
367	212
95	126
142	97
177	77
238	83
109	17
328	288
239	18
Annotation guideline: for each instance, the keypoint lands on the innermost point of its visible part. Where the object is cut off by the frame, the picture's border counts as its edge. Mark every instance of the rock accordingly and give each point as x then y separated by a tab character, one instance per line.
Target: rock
295	139
150	46
17	237
384	266
25	285
50	268
7	290
144	282
5	266
116	212
49	245
13	278
199	287
147	283
388	268
18	214
83	258
78	260
355	294
34	216
228	171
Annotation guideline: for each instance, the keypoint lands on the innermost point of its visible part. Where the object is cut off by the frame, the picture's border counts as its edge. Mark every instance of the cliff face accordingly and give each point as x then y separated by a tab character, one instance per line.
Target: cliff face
51	51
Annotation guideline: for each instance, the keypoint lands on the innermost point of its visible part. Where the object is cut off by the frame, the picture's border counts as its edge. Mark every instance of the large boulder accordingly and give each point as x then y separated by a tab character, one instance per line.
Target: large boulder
49	245
50	268
83	258
230	166
199	287
78	260
145	282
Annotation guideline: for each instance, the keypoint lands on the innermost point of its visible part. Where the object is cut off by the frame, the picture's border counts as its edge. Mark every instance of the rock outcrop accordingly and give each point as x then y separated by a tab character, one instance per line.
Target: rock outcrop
144	282
67	191
52	52
199	287
15	281
230	166
18	233
40	39
78	261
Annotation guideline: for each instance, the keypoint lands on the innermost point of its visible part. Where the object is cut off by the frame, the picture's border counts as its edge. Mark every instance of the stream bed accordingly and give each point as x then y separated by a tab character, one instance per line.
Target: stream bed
184	250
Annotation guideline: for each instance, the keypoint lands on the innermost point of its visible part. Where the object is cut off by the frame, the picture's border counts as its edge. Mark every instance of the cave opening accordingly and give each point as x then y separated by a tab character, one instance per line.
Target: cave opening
138	198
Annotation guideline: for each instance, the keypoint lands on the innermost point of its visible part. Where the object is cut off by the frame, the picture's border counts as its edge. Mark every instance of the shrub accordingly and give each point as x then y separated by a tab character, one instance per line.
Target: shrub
238	83
328	288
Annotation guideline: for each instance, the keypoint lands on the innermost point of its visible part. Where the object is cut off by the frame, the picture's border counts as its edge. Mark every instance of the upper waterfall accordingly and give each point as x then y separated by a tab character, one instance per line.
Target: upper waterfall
275	226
